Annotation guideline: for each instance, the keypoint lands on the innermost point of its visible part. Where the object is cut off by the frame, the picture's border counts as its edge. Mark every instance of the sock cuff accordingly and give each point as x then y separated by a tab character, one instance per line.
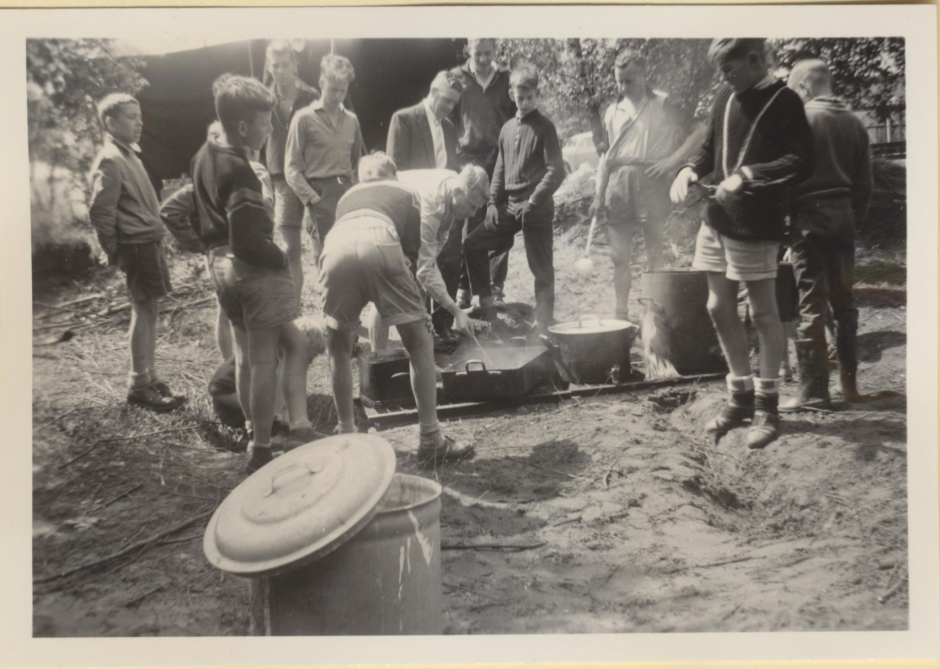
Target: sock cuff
139	379
767	386
347	428
430	428
303	422
740	384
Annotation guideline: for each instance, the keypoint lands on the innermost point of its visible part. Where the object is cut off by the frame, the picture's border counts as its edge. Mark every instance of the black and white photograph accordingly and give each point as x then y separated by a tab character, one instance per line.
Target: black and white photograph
569	335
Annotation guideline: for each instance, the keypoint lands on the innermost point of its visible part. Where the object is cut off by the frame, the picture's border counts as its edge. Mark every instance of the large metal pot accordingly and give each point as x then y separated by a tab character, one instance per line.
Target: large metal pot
385	379
592	350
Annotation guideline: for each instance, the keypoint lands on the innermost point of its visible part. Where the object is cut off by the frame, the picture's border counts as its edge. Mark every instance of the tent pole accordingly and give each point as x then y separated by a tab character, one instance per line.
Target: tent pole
251	61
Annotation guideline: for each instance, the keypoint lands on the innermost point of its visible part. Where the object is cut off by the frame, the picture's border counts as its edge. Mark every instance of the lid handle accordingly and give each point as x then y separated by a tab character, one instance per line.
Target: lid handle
478	362
312	469
587	317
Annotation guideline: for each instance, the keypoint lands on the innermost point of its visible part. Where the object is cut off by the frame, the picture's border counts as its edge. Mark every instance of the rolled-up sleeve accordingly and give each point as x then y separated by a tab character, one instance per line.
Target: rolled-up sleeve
294	164
429	275
105	193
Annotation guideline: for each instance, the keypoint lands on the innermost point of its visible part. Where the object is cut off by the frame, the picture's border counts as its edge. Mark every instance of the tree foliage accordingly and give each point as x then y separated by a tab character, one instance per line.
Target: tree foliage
65	78
577	81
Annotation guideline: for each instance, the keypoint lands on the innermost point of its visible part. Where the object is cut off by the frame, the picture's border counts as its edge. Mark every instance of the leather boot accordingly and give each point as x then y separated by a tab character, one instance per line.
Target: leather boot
812	361
736	413
765	427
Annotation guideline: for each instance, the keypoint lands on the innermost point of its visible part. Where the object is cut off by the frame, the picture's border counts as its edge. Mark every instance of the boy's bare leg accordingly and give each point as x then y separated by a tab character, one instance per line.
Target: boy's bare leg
339	345
621	253
762	297
419	343
223	335
653	240
242	371
378	331
292	238
142	340
723	309
262	353
293	371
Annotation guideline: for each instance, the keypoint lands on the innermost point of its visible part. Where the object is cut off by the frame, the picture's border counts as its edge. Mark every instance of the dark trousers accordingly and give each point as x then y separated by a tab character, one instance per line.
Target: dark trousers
321	216
823	255
537	236
450	263
499	262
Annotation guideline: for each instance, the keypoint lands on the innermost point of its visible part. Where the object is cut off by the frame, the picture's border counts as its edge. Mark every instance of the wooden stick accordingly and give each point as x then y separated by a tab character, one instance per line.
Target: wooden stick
141	597
710	564
476	546
55	308
82	300
119	497
124	551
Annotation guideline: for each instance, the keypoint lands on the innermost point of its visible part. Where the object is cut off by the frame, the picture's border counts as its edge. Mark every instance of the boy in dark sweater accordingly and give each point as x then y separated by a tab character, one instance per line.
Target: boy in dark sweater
827	210
529	169
758	147
249	271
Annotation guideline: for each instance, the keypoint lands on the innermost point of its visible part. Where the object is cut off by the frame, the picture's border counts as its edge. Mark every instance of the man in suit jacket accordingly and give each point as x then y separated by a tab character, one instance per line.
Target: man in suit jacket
422	137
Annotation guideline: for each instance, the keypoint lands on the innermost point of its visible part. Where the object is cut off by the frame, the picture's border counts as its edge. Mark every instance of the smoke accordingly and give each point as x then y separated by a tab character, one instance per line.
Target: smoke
655	337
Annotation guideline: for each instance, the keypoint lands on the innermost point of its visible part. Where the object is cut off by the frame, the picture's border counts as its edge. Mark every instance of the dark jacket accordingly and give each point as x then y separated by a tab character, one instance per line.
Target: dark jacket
277	140
410	143
480	115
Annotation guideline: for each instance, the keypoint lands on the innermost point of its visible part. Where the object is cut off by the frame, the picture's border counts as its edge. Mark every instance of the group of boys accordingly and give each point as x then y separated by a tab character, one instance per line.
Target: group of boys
398	237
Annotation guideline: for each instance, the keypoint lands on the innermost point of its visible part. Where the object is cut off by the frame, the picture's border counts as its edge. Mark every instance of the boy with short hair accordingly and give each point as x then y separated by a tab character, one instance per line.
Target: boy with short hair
827	210
125	213
529	169
758	146
324	145
250	272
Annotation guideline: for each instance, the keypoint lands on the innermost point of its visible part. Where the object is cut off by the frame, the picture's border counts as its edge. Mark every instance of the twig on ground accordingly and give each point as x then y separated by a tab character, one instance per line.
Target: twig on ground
445	546
466	500
59	417
710	564
144	543
131	438
55	308
119	497
143	596
892	591
181	540
553	471
565	521
82	300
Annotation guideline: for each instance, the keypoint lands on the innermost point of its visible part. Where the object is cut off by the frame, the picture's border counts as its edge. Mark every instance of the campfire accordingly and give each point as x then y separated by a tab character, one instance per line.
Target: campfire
655	342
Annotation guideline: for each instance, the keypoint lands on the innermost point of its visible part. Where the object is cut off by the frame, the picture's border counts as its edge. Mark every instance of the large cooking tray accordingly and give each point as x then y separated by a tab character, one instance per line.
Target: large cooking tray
497	374
384	379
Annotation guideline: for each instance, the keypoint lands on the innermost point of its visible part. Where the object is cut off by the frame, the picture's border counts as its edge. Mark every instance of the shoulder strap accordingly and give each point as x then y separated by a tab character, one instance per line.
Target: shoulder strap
747	139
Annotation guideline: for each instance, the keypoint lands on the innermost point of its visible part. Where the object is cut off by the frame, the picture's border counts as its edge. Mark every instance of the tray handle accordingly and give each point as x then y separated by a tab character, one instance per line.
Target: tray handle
478	362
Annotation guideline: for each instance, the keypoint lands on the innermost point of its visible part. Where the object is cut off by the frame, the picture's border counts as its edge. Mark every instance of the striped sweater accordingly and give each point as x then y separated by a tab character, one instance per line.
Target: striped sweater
231	206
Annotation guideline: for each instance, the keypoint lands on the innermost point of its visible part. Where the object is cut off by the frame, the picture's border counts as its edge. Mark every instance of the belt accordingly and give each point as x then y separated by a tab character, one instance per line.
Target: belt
338	179
365	213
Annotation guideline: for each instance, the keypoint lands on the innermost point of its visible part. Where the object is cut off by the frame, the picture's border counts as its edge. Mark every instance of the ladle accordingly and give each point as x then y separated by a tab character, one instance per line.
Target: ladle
585	264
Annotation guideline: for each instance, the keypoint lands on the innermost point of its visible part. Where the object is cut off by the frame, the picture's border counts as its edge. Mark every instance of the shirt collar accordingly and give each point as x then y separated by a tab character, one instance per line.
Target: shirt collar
132	146
529	115
318	104
769	80
489	79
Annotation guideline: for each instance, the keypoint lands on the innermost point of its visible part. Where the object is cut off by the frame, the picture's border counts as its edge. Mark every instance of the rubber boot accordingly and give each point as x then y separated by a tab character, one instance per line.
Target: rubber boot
739	409
847	351
765	428
811	358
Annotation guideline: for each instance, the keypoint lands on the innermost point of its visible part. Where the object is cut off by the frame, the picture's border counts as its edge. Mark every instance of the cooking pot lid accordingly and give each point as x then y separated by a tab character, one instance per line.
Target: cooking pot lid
591	326
301	505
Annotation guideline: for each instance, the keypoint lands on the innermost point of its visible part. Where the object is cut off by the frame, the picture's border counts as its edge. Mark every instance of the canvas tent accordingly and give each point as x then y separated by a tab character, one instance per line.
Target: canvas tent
177	105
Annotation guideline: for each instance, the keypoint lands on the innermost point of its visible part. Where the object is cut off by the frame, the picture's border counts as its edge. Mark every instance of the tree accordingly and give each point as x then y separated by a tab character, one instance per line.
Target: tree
65	79
868	72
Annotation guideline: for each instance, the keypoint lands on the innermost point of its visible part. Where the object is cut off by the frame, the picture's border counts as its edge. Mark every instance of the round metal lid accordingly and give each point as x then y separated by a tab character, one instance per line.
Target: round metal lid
591	326
300	506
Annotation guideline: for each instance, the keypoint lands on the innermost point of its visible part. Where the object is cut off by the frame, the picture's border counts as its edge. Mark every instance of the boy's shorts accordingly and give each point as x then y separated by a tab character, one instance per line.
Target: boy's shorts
253	298
632	197
362	262
288	209
737	260
144	265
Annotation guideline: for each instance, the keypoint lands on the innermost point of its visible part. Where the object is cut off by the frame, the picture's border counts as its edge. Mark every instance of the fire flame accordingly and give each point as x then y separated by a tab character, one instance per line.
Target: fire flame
655	343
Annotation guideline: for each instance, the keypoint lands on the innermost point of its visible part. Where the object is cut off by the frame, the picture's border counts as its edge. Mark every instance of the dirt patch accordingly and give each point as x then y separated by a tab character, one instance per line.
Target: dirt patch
642	524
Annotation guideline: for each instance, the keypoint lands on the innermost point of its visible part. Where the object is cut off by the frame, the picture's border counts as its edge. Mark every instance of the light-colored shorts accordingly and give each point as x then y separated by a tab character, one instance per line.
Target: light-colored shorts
288	209
253	298
737	260
362	262
632	197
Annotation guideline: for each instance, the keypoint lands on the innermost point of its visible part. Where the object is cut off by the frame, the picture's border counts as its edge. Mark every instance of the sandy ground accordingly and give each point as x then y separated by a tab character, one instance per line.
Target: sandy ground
640	525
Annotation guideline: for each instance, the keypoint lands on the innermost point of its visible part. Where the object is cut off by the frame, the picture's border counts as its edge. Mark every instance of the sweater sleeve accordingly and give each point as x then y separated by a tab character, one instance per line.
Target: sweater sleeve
702	161
247	216
555	173
862	180
796	160
105	193
498	182
177	212
428	274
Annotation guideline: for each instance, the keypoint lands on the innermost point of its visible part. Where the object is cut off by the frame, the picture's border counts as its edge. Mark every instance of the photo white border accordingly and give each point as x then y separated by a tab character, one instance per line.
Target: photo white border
917	23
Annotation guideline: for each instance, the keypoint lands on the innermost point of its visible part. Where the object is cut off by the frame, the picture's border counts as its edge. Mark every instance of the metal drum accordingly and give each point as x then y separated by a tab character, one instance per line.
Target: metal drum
334	542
